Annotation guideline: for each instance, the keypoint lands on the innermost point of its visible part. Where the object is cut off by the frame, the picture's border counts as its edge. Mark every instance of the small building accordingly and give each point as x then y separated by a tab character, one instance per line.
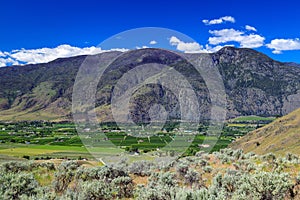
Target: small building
204	145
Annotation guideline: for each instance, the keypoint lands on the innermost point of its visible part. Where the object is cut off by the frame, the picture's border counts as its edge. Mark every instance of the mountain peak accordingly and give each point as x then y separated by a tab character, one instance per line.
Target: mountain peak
235	55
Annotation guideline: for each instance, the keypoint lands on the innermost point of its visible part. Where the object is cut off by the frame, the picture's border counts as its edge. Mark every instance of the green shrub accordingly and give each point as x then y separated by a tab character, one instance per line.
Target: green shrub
160	186
141	168
26	157
95	190
13	186
260	185
123	187
207	169
192	177
16	166
64	175
182	168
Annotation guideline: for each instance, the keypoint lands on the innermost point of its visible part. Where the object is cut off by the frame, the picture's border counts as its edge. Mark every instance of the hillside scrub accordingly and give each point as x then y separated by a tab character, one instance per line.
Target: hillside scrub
227	174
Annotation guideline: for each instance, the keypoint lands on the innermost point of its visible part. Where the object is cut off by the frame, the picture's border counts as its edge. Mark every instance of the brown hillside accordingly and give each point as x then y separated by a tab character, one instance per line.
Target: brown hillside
279	137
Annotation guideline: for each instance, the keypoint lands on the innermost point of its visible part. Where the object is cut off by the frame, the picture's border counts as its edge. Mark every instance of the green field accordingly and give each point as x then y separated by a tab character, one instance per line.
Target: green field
45	140
43	151
252	118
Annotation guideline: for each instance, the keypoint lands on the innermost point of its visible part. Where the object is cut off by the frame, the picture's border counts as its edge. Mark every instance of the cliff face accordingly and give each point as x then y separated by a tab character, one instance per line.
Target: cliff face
258	85
254	84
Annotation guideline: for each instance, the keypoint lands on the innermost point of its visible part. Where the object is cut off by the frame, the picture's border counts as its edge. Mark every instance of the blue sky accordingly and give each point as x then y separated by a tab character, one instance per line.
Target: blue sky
38	31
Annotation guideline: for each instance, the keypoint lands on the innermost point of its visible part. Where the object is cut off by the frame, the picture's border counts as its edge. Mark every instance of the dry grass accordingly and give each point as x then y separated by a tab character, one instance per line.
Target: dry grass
279	137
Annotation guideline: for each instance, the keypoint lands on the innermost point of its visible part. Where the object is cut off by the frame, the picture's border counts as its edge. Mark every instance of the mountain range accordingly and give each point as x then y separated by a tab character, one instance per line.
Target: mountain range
254	84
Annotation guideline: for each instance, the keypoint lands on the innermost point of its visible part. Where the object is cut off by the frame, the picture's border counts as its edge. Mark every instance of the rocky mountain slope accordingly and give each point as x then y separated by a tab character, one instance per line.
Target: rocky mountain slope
254	83
279	137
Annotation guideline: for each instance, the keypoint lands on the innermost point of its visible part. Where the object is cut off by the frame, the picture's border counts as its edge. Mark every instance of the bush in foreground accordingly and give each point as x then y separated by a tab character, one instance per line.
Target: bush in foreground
228	174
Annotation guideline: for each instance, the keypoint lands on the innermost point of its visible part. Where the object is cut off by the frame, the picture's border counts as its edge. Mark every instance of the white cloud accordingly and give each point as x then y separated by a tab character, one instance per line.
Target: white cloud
43	55
3	62
232	35
142	47
221	20
47	54
211	22
8	61
152	42
2	54
186	47
228	19
250	28
280	45
174	41
193	47
210	49
223	36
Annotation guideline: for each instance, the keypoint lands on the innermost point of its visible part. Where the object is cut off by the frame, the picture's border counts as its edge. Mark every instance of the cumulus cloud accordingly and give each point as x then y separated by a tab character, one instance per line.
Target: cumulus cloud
2	62
152	42
186	47
250	28
232	35
2	54
8	61
193	47
280	45
220	20
43	55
